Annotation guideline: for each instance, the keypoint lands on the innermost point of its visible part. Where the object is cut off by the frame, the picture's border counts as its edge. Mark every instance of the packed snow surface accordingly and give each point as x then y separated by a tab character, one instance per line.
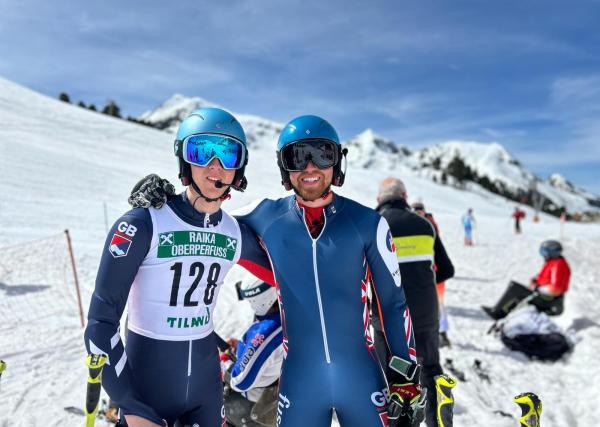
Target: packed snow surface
60	164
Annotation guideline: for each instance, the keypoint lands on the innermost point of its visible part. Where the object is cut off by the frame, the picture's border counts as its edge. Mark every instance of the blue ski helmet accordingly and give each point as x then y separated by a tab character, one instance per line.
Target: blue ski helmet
306	128
210	121
551	249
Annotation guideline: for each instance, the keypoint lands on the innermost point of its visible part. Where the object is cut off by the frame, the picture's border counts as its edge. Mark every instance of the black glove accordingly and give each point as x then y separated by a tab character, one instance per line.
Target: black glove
151	191
407	405
407	400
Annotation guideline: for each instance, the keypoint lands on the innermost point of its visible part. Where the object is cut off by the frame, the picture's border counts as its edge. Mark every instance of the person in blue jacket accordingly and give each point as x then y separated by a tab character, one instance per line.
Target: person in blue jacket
326	251
252	364
468	222
168	265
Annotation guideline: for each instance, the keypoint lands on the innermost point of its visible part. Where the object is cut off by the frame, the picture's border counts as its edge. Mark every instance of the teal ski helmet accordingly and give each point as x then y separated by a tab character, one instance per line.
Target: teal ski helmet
210	121
307	128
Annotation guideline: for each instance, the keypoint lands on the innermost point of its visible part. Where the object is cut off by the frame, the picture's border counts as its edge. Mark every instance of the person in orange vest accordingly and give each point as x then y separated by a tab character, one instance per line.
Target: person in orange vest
546	291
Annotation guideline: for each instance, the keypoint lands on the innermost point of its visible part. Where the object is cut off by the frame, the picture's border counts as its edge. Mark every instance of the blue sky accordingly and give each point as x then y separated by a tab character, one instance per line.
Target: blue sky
523	73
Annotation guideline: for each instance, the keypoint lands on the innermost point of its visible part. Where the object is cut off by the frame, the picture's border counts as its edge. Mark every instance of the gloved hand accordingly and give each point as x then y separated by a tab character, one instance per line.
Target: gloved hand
151	191
226	362
407	400
407	404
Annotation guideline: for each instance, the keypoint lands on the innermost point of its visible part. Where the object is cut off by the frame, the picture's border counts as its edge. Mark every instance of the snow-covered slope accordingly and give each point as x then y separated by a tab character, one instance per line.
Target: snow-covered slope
59	163
369	150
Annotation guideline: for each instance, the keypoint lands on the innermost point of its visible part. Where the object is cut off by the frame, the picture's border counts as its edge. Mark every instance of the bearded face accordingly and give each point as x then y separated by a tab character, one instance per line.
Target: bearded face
311	183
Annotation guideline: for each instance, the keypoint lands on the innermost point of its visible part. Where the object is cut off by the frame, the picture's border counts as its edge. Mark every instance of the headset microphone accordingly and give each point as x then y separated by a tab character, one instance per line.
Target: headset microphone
219	184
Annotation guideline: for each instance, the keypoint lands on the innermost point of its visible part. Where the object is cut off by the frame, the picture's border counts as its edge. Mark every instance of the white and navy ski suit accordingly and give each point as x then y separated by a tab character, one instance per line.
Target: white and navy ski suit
168	265
322	287
259	355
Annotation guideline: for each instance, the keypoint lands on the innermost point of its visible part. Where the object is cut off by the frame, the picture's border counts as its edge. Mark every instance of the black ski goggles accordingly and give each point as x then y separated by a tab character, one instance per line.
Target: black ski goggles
321	152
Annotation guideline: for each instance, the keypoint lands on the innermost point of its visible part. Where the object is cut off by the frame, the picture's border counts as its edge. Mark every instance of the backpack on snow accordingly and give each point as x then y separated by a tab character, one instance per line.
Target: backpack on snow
534	334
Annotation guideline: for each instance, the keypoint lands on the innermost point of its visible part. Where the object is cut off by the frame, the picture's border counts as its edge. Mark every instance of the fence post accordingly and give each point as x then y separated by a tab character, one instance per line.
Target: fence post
68	237
563	219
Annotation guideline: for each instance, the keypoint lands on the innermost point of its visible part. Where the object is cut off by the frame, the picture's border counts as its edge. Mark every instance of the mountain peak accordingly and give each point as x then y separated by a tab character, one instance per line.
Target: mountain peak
559	181
171	112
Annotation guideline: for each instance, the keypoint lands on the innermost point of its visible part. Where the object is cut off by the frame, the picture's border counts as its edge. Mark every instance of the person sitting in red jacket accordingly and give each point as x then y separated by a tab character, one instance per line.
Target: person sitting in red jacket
546	291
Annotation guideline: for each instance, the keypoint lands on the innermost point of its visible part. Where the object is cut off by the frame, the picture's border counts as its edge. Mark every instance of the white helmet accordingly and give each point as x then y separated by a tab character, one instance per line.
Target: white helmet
259	294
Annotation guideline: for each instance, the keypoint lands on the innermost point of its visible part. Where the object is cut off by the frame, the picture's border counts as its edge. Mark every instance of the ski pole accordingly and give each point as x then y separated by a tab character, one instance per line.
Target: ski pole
2	367
531	409
445	400
95	363
520	304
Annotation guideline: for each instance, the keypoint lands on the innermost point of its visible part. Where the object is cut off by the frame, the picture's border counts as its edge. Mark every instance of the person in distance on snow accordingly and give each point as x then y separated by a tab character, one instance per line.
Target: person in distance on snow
325	249
468	222
252	365
518	215
169	264
546	291
417	247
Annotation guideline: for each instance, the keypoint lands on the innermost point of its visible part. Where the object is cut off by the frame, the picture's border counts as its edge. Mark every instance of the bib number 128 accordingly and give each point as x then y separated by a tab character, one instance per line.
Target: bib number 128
196	271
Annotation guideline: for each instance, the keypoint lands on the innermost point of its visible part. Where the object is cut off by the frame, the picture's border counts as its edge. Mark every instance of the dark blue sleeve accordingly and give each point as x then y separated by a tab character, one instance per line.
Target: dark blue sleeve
125	248
254	257
385	277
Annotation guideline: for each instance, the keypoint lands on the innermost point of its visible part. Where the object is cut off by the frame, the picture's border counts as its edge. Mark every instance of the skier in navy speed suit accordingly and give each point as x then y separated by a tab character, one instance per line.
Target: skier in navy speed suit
325	251
168	264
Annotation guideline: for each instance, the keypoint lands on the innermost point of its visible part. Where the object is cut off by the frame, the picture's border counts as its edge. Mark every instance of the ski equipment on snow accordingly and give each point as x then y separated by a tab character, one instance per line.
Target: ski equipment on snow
531	409
2	367
449	365
104	413
310	138
481	371
95	363
445	400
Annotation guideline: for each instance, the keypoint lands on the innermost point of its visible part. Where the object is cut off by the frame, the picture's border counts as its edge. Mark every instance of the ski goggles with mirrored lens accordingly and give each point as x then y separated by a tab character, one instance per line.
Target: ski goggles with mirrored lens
200	149
321	152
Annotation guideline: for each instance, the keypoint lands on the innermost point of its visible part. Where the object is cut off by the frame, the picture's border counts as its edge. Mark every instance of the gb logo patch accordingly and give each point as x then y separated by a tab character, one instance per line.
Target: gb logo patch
121	240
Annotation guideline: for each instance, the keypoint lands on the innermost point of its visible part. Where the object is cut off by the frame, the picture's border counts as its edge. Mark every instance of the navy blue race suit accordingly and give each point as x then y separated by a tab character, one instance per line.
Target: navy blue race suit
322	287
161	377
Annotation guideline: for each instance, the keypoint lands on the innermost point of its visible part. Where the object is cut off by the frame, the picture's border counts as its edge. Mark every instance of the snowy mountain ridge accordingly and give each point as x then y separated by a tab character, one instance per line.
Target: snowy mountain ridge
488	164
173	111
